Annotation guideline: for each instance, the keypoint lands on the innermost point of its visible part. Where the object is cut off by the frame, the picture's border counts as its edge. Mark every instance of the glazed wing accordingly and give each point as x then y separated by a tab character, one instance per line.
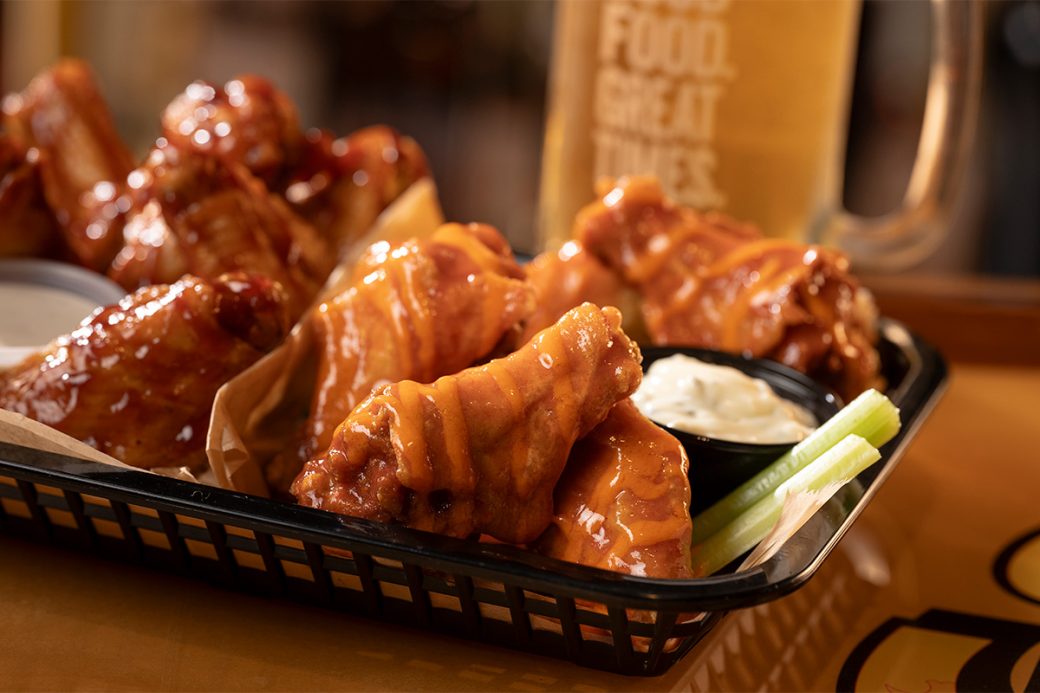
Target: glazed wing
711	282
200	214
137	379
27	225
480	451
248	121
341	185
623	502
81	158
416	312
572	276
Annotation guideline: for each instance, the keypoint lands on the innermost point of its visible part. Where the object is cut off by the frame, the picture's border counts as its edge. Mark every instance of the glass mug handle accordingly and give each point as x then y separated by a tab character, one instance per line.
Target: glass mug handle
911	232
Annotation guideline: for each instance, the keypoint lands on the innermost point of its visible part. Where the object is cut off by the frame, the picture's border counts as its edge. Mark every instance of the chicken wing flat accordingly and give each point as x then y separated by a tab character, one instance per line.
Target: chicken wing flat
27	225
623	502
247	121
417	311
137	379
479	451
711	282
572	276
341	185
82	160
567	278
200	214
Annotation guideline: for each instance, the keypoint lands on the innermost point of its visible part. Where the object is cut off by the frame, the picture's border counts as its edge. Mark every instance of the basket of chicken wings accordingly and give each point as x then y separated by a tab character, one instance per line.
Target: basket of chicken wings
314	388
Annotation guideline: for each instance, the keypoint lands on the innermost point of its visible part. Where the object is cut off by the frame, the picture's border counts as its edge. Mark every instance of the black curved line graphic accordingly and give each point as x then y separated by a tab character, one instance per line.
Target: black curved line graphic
858	657
1003	562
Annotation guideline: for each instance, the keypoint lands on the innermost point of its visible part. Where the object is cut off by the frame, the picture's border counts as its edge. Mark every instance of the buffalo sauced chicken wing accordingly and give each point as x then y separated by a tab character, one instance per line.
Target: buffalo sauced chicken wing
623	502
479	451
709	281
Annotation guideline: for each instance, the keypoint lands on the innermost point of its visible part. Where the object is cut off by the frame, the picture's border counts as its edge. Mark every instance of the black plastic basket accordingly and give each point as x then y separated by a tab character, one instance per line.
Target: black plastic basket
489	592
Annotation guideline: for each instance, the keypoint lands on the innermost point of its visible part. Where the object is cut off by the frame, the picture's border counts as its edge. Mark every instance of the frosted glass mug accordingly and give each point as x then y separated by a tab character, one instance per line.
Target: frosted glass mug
742	106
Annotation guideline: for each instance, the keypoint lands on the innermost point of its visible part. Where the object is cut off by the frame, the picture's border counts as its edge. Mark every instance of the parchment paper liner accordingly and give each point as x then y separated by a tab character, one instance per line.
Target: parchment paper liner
257	414
19	430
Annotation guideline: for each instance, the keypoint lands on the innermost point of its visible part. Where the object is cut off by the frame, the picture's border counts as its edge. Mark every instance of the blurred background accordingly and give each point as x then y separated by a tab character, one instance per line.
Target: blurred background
468	81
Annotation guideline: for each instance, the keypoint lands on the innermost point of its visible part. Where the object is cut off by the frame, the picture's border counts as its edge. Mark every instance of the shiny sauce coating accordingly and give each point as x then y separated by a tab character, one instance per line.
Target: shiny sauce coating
137	379
479	451
709	281
623	502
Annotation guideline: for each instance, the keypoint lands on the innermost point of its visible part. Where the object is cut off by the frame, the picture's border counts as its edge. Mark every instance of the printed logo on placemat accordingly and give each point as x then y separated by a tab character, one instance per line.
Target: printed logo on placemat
945	651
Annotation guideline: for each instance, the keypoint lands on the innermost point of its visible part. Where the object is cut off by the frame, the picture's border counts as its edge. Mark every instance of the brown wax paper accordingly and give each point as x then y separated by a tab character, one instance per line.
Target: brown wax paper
20	430
257	414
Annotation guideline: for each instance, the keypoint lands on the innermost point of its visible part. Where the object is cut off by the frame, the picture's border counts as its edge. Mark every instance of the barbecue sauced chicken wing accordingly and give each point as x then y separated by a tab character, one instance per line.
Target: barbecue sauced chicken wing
247	121
341	185
81	159
711	282
27	225
199	214
623	502
137	379
416	311
479	451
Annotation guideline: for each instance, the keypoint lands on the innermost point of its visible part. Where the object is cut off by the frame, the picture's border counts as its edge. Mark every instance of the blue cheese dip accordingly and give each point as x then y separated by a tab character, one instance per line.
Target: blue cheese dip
719	402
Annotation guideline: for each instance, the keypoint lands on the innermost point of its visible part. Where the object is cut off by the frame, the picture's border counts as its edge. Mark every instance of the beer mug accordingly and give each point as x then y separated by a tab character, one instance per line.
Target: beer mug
742	106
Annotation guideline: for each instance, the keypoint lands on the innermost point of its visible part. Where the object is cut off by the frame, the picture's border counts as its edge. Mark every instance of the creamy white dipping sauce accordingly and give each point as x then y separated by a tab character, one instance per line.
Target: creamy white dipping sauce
719	402
31	315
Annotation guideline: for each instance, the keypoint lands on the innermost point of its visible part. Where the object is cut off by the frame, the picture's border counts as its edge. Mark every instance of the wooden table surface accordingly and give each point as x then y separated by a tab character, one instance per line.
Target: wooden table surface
914	598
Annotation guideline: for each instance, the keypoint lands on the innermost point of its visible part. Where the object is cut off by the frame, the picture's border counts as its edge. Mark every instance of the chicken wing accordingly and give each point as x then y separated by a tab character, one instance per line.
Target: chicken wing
711	282
248	121
137	379
81	158
27	225
623	502
200	214
480	451
572	276
341	185
416	312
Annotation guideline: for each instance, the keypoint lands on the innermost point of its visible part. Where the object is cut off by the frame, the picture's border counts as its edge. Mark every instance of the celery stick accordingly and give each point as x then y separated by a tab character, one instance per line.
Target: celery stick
871	416
840	464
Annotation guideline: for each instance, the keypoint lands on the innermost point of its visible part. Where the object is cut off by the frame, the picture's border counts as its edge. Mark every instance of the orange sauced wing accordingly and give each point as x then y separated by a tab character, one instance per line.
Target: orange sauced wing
623	502
81	158
567	278
479	451
417	311
341	185
137	379
709	281
200	214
